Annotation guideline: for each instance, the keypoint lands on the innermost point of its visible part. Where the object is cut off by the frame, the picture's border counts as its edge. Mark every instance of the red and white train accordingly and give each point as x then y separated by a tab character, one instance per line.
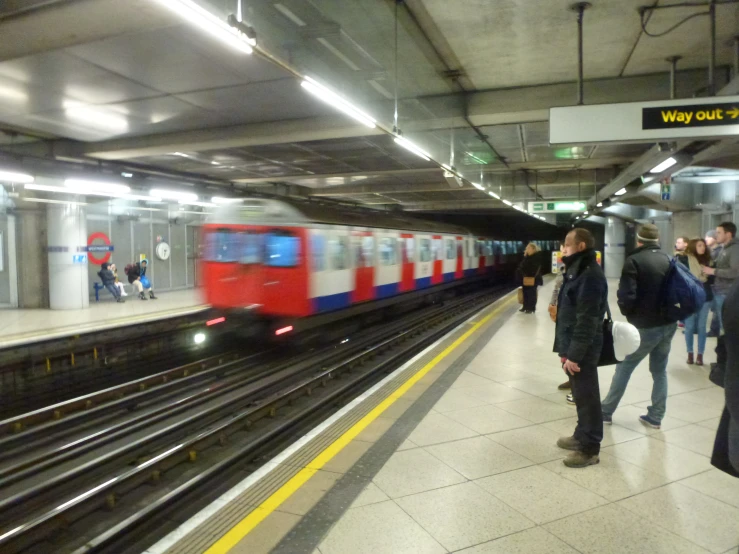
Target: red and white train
289	258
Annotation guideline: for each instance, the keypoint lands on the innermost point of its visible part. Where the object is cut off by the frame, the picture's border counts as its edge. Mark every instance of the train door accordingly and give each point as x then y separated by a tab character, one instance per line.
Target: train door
470	261
480	245
285	288
337	280
408	257
437	275
363	251
425	262
459	269
388	267
449	264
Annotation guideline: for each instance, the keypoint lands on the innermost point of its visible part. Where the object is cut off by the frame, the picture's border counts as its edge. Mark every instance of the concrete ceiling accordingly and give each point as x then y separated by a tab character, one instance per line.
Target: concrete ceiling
131	84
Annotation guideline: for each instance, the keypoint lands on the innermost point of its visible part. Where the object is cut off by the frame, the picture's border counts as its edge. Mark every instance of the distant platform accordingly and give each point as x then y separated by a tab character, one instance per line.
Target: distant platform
18	327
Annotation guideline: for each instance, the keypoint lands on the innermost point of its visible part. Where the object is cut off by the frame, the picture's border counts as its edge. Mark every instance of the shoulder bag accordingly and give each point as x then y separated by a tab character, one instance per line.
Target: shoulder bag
607	353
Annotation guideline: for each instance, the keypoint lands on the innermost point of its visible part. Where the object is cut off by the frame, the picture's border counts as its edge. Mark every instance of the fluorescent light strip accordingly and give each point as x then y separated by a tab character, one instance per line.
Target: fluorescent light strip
599	205
211	24
199	204
478	186
223	200
330	97
66	190
84	186
174	195
12	177
507	203
408	145
491	193
49	201
667	164
621	192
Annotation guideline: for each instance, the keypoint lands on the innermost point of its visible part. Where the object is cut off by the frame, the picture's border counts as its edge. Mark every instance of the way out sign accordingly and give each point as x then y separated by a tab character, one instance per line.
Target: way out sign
645	121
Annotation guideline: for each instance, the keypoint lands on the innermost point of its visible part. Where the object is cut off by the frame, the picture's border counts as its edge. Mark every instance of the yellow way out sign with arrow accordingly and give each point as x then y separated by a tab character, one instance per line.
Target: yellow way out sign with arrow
687	116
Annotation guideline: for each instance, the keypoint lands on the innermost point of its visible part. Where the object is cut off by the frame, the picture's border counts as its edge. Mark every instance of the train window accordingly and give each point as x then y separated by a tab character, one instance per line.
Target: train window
282	249
222	245
408	250
388	251
338	251
489	247
450	250
368	251
470	248
251	248
318	245
424	250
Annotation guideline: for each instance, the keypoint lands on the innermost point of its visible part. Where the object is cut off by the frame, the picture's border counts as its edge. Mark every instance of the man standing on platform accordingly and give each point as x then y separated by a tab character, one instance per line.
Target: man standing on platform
727	265
581	307
715	249
640	300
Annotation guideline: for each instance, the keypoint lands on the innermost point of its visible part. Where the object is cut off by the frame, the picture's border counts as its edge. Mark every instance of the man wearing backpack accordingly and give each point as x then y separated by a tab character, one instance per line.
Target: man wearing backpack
640	299
727	265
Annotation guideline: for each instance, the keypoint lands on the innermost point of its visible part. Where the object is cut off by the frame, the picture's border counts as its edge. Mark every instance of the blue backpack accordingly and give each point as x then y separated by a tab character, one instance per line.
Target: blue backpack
682	293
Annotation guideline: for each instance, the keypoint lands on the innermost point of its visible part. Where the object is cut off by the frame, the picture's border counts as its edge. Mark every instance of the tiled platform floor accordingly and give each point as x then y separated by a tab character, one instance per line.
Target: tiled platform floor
26	325
481	473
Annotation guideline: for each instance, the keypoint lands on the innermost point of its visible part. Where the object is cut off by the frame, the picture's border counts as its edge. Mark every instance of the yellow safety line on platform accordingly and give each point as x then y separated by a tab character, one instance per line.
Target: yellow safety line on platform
259	514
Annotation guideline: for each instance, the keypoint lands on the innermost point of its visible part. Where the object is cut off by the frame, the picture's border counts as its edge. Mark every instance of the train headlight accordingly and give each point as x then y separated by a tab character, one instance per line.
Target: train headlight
199	338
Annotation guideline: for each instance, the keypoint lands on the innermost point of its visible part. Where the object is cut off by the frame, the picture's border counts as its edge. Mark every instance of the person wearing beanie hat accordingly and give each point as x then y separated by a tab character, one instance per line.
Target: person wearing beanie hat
639	298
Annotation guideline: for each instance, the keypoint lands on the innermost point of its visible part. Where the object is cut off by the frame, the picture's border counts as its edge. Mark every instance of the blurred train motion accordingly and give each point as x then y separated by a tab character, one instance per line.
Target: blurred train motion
293	263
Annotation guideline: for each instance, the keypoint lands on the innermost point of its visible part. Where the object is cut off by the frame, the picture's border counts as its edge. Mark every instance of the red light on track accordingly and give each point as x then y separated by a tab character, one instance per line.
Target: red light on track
215	321
284	330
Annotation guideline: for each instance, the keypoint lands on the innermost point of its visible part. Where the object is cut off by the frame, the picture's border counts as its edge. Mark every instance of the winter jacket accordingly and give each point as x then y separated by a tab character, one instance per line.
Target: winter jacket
531	267
695	268
640	288
106	275
726	448
134	272
581	308
727	267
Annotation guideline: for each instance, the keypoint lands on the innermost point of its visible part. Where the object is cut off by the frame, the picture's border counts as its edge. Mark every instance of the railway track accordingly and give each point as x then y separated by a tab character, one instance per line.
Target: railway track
96	480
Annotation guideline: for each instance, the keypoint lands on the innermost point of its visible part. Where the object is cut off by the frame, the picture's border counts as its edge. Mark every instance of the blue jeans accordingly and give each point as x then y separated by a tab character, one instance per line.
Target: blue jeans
696	323
718	306
656	343
113	290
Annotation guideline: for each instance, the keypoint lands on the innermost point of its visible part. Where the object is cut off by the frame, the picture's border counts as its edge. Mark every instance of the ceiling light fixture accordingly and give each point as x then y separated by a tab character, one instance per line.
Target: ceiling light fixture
585	213
491	193
196	203
49	201
507	203
478	186
667	164
84	186
178	195
408	145
621	192
599	205
211	24
223	200
330	97
68	190
126	175
705	180
12	177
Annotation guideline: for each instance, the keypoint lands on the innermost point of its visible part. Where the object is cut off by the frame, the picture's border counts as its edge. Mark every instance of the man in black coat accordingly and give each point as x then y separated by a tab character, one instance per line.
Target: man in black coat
581	306
108	279
726	448
640	300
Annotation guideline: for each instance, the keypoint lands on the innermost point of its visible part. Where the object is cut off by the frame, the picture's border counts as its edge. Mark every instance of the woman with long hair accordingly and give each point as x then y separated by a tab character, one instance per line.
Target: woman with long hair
698	254
530	275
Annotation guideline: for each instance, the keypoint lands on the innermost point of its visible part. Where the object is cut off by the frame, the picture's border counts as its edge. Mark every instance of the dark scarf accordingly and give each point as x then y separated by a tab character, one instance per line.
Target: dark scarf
586	255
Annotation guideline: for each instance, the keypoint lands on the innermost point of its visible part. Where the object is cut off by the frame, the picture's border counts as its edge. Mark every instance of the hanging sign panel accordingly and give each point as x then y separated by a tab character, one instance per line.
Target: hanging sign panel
645	121
557	206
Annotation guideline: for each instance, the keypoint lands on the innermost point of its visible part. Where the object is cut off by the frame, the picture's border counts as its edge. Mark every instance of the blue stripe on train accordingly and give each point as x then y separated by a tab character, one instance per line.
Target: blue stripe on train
331	302
385	291
470	271
448	277
423	282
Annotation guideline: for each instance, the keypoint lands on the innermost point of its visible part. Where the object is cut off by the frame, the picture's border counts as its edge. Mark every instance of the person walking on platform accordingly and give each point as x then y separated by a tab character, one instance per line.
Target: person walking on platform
530	275
726	447
698	255
715	248
640	300
108	279
727	265
581	306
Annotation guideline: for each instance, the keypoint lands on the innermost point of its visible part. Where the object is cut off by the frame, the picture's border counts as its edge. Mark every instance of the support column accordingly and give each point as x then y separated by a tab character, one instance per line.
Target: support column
67	237
615	247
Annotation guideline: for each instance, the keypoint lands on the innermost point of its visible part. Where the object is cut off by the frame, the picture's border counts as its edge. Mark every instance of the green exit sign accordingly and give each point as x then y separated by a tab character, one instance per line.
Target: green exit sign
557	206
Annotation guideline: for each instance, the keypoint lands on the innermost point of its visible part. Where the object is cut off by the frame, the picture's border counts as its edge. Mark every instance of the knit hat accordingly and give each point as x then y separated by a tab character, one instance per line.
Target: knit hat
648	233
711	234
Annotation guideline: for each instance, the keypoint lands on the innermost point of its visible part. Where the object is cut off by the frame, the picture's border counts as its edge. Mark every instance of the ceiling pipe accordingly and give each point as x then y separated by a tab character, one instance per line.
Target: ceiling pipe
712	59
579	9
673	77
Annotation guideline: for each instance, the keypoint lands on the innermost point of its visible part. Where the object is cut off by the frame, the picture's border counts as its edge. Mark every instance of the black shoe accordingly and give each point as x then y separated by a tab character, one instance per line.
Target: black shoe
570	399
712	335
522	310
120	300
142	296
151	295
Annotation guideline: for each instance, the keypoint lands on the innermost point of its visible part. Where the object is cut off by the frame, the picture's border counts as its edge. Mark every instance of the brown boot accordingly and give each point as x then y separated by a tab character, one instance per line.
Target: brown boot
690	358
580	460
569	443
565	386
699	359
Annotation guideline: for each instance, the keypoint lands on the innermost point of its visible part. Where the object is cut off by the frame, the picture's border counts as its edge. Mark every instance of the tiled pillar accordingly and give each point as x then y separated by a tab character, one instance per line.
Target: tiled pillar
67	240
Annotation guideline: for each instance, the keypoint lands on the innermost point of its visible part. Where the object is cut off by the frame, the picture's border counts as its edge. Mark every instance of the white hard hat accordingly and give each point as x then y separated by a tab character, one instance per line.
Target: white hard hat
626	339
